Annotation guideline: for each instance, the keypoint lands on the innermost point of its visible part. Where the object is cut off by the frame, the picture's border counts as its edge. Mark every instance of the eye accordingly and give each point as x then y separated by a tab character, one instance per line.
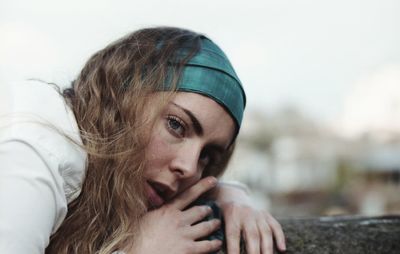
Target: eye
176	126
207	157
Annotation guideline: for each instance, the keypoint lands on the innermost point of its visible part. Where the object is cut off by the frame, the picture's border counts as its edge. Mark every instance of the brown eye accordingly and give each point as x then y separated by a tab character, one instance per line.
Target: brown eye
207	157
176	126
211	155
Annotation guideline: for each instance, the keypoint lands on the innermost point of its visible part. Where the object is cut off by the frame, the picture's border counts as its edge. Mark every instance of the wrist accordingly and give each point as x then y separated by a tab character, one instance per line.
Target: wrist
235	184
228	192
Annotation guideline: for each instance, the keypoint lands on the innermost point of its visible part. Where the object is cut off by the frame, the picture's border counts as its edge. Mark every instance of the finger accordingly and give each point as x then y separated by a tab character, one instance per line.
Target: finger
195	214
232	232
192	193
252	238
277	231
266	237
204	229
206	246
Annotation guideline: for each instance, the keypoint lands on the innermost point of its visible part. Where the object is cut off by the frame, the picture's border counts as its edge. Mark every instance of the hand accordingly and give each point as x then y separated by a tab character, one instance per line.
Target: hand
258	228
171	229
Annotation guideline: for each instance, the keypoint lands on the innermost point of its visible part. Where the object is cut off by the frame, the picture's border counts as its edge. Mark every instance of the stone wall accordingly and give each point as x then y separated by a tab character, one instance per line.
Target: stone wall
344	235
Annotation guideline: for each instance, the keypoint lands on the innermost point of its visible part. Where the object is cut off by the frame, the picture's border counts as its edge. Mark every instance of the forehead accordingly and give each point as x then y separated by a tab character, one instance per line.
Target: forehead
212	116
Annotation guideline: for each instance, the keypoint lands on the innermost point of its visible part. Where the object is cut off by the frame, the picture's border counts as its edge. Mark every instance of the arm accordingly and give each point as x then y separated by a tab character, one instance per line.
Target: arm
258	228
31	199
228	192
39	167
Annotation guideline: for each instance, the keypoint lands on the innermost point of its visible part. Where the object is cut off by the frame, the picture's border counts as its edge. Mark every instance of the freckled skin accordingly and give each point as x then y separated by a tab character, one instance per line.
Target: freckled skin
175	150
191	130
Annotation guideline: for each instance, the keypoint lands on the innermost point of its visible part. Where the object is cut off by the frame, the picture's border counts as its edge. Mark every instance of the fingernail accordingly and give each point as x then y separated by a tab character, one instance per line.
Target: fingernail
212	180
283	246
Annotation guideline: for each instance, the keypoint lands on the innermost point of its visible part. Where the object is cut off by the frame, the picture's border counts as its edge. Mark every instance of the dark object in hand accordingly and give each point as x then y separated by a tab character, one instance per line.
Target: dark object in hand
215	214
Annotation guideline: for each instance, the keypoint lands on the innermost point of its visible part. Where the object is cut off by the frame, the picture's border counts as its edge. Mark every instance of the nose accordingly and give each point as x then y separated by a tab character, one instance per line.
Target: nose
185	163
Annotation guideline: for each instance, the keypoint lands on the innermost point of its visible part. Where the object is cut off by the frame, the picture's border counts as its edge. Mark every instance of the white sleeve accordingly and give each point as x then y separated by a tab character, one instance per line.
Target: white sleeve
31	200
40	169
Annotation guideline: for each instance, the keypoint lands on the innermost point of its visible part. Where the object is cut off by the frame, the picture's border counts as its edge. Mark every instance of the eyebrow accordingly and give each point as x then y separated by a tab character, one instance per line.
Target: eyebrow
198	129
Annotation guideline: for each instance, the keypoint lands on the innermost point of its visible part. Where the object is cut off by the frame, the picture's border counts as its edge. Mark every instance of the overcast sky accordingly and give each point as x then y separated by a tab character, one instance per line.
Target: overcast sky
304	53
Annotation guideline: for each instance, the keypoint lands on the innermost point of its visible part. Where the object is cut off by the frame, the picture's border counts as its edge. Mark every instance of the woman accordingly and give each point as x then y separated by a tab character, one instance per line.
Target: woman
151	121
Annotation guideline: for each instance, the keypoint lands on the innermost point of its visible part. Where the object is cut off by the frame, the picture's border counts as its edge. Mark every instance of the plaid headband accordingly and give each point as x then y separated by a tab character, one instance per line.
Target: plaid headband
210	73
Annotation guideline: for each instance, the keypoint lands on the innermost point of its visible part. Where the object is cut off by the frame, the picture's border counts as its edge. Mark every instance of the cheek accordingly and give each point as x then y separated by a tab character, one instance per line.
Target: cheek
158	154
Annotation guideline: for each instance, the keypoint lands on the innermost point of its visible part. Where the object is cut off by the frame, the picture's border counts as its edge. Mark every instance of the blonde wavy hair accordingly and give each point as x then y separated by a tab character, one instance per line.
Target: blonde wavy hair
109	102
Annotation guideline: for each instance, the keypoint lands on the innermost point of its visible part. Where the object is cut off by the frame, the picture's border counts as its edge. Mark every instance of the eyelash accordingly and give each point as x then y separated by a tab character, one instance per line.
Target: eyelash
181	124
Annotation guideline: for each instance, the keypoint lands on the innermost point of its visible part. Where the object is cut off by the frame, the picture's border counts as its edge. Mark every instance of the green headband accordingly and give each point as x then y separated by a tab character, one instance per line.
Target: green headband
210	73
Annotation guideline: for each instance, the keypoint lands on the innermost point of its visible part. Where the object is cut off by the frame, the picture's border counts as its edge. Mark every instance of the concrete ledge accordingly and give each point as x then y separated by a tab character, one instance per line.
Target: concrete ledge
344	235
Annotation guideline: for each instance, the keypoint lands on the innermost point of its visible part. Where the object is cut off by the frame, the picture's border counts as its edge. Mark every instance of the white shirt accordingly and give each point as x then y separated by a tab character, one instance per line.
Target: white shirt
40	169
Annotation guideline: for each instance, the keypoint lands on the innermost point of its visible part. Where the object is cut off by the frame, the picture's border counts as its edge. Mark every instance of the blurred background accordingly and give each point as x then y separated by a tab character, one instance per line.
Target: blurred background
321	134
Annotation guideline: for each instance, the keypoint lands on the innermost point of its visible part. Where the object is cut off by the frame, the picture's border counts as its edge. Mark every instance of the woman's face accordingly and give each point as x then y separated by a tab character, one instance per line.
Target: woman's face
192	132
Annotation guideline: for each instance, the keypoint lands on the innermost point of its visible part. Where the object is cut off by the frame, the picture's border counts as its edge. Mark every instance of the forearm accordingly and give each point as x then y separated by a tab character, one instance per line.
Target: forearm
229	191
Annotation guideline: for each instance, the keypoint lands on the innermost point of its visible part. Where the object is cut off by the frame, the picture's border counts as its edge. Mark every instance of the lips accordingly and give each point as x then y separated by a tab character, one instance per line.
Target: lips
154	194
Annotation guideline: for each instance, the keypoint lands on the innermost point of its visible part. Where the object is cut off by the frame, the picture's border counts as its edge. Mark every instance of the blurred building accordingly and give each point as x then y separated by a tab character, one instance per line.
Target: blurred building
296	167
